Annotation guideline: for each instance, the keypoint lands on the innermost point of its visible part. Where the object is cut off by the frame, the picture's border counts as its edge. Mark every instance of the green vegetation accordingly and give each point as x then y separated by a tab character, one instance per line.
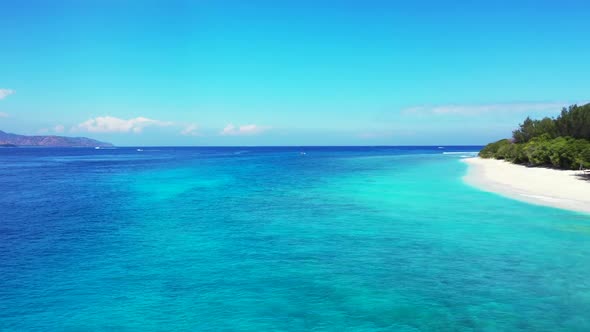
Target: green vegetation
563	142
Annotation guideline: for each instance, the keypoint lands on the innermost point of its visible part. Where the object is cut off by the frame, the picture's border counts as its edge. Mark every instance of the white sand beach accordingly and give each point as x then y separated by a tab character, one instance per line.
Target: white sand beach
542	186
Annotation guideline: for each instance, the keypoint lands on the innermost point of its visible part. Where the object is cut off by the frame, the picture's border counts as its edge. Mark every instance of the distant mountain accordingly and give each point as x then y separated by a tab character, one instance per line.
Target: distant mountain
22	140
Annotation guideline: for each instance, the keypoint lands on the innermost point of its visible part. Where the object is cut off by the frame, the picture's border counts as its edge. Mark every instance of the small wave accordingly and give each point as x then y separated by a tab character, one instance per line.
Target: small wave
545	198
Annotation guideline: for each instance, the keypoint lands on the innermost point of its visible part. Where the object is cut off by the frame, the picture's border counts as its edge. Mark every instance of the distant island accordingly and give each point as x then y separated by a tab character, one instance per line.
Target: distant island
562	142
14	140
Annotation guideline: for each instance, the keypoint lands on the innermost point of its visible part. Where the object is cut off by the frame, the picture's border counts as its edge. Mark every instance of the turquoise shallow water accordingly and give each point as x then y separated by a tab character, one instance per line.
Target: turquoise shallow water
259	239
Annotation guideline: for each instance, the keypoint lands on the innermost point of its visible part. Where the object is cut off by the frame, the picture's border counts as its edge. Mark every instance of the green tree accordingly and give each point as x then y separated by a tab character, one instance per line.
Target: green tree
530	129
574	122
563	142
490	150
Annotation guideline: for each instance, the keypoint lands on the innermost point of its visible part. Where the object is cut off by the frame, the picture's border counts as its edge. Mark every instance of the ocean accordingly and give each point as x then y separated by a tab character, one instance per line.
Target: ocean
279	239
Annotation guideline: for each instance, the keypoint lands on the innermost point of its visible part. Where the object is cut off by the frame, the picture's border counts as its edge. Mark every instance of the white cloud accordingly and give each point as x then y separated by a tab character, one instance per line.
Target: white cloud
59	129
190	130
251	129
3	115
478	109
110	124
6	92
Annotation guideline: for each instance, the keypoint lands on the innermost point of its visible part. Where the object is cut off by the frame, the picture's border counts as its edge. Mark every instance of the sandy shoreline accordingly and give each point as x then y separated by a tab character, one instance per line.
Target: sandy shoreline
541	186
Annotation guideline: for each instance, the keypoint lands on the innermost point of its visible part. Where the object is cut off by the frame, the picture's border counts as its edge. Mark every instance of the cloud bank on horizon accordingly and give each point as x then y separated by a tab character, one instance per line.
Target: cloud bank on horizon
479	109
104	125
111	124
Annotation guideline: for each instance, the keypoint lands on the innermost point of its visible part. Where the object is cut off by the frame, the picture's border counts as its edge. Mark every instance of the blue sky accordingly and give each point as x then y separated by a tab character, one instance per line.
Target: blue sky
289	72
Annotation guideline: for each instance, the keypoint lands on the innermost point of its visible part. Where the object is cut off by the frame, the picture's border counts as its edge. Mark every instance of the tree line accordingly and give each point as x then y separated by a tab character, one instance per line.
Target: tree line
562	142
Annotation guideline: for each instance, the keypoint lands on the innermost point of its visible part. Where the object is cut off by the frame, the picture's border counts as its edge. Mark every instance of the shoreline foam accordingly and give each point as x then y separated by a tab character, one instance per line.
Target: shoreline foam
540	186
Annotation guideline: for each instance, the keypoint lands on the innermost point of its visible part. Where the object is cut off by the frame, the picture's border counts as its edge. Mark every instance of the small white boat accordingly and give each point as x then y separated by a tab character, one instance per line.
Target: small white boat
139	150
97	148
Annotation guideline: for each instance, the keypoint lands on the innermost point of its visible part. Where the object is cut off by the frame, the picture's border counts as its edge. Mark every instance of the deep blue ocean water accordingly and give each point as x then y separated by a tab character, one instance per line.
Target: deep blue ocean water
270	239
